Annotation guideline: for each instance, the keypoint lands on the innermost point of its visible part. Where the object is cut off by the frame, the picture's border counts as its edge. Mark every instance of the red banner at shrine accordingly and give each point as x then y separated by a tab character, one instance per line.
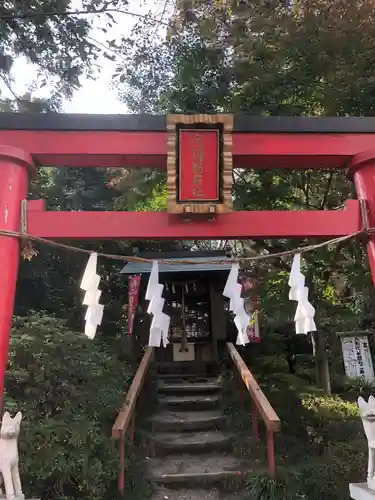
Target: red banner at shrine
199	165
133	283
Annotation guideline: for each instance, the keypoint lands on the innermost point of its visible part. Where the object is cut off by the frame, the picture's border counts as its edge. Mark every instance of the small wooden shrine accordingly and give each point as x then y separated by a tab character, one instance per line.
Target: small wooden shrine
193	300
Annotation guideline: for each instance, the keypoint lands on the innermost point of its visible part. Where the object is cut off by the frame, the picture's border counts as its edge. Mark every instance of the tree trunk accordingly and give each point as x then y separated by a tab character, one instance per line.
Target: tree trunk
322	366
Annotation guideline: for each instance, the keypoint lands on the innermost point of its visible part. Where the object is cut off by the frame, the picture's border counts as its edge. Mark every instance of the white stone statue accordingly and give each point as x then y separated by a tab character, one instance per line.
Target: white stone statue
367	412
10	476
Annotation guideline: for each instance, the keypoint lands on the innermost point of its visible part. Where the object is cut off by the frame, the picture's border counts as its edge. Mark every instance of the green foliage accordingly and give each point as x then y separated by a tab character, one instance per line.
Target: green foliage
330	407
50	281
263	487
353	388
259	58
320	447
77	188
69	389
157	202
55	38
313	479
270	364
140	189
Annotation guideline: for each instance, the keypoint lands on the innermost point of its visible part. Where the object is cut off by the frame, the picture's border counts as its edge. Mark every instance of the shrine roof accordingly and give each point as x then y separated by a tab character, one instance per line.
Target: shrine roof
157	123
212	261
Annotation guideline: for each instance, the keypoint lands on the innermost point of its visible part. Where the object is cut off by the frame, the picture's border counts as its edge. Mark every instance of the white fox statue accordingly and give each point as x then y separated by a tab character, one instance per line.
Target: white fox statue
9	473
367	412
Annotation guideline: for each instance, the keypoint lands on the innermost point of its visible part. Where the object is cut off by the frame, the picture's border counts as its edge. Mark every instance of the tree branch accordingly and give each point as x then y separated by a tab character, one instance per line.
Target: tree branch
328	187
8	86
31	14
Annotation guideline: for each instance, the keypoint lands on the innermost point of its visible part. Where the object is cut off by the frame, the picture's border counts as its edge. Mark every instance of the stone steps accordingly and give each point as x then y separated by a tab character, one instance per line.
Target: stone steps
195	494
179	377
169	420
194	470
196	377
197	442
200	368
191	402
190	449
189	387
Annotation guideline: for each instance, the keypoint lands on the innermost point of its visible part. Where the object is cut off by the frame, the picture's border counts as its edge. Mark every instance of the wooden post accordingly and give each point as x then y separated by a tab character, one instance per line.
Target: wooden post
241	392
321	360
213	323
255	421
271	453
132	428
121	475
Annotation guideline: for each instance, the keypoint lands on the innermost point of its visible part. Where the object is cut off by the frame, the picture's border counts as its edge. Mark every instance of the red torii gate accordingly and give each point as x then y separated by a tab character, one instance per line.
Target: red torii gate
200	151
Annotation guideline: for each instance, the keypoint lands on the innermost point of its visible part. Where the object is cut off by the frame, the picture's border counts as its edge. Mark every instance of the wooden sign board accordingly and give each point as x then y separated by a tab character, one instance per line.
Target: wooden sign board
199	164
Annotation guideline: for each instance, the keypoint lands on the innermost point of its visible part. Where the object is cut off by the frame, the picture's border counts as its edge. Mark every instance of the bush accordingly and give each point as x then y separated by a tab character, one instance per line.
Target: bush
352	388
285	486
321	446
273	364
327	477
69	389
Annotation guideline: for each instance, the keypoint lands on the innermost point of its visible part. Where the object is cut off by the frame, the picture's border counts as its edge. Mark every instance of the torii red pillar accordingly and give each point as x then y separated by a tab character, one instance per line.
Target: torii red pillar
15	167
362	171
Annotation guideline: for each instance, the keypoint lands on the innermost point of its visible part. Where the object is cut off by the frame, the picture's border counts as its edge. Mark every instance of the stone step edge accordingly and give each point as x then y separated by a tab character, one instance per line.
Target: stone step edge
189	389
198	398
202	493
186	430
186	376
161	436
160	446
200	477
204	419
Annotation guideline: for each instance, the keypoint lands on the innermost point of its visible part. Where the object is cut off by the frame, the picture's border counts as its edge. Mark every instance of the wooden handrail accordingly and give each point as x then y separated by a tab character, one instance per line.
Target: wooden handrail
260	405
265	409
125	415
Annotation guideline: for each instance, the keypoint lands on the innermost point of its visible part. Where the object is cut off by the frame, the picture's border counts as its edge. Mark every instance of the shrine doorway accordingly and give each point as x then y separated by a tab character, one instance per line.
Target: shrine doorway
195	304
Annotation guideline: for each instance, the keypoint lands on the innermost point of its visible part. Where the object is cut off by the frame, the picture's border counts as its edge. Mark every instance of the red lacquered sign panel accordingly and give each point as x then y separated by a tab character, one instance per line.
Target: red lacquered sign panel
199	165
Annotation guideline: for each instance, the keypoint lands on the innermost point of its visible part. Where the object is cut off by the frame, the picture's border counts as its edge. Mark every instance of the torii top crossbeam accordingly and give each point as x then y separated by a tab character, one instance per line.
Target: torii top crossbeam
142	141
199	153
74	140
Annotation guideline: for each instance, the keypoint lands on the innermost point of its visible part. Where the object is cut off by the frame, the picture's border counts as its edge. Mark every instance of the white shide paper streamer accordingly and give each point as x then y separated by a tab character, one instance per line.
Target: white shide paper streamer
305	312
232	291
160	322
90	283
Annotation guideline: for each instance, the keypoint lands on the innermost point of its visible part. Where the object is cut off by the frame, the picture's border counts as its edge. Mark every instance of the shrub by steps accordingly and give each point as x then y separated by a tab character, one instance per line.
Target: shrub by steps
321	446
